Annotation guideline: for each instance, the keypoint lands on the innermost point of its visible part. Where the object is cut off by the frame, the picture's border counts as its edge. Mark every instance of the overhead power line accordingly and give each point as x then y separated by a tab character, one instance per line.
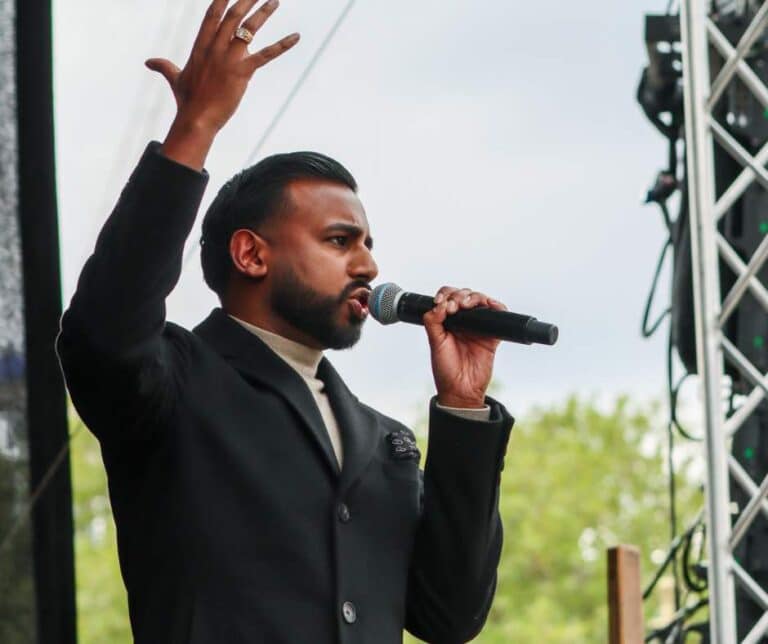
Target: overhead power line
151	95
299	82
26	512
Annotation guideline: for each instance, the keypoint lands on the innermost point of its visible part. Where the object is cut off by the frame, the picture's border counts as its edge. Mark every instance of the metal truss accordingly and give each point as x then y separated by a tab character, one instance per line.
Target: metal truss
702	93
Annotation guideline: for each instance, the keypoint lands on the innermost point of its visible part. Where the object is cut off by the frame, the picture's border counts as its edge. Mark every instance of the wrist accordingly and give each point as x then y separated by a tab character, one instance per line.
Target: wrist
458	401
188	142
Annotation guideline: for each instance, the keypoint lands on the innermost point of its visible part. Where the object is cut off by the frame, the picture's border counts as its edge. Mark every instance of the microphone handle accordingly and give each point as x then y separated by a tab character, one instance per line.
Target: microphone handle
504	325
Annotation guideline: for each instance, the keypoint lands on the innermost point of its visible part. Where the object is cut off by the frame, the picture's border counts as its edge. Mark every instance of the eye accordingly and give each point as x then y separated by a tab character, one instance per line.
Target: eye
338	240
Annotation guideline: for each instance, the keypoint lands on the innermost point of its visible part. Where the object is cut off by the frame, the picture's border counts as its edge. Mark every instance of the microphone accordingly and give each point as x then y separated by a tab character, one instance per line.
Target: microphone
389	303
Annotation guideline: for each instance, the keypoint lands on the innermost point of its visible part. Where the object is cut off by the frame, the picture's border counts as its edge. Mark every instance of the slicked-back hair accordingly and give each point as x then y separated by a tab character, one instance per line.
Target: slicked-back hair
253	196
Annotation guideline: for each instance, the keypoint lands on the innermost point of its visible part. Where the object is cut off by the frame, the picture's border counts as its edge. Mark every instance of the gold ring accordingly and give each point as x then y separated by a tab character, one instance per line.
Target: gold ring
243	34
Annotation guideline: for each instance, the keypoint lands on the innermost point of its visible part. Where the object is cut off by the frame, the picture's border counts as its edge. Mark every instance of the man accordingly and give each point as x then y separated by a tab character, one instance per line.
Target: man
256	499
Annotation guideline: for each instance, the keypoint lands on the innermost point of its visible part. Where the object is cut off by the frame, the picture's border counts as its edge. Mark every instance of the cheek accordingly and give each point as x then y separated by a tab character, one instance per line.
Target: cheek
324	272
310	266
320	262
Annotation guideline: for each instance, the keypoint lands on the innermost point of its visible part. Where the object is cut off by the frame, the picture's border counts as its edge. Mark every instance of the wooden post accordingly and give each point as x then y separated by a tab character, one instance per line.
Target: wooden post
625	597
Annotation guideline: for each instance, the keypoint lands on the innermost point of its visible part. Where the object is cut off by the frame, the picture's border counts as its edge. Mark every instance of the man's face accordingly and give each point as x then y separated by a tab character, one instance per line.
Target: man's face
322	265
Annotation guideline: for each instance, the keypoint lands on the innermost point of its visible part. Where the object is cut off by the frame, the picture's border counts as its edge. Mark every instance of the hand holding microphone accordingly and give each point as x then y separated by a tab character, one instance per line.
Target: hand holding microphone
464	329
389	303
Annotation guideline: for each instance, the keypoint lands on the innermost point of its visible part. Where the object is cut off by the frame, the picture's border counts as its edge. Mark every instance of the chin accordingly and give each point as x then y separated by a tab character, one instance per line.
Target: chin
346	338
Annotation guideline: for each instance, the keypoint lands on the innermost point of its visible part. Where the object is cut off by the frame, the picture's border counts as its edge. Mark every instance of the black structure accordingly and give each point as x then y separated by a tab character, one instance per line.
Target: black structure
33	420
744	226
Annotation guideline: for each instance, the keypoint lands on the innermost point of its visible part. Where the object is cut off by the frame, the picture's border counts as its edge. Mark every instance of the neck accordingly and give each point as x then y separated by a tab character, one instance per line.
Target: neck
302	358
264	318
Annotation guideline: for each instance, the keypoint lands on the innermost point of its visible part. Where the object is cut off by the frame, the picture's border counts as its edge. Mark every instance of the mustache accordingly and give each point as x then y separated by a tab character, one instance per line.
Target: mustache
350	288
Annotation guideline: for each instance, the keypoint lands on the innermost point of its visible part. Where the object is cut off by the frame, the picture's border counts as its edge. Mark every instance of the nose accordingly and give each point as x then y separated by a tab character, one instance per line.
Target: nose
364	266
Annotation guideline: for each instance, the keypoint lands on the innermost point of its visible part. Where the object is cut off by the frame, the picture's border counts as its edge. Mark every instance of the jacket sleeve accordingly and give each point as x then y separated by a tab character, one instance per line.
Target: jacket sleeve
117	360
456	552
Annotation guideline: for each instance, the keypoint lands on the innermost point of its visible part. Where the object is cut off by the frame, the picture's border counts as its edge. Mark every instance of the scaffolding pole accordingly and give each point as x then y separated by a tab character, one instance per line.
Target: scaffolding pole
702	92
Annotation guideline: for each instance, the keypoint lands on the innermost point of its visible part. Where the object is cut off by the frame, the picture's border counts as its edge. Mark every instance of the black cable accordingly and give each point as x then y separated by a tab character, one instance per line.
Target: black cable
672	160
674	392
676	631
699	628
665	186
645	330
673	509
677	621
670	432
667	220
678	559
700	583
675	545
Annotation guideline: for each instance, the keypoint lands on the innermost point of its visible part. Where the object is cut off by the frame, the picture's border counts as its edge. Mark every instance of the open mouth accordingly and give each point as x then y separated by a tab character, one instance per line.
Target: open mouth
358	301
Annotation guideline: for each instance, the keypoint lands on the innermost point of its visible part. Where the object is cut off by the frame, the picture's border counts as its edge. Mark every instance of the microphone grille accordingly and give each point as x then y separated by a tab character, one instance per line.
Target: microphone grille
383	303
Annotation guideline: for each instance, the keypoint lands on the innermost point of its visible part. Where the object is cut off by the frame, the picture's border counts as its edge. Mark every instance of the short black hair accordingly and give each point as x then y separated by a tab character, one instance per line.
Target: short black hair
253	196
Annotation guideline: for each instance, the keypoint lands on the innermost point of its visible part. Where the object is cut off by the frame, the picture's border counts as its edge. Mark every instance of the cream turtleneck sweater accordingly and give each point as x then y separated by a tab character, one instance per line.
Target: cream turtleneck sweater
305	361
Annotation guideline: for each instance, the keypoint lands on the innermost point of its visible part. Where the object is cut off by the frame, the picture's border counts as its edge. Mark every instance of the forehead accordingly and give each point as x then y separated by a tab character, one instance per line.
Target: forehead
318	203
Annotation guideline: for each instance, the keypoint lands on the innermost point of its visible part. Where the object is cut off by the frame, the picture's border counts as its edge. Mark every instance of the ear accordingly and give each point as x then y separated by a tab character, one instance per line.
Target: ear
249	252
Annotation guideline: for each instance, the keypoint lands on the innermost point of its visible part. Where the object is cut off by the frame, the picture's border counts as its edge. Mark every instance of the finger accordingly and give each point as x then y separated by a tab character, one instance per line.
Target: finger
454	299
495	304
437	313
208	27
255	22
164	67
443	292
261	58
475	299
433	323
230	23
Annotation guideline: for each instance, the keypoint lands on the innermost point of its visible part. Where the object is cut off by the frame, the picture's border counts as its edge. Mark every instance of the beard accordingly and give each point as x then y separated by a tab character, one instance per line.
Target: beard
313	313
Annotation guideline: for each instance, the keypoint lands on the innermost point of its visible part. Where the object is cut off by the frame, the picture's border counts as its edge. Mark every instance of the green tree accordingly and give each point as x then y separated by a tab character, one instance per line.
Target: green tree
577	481
102	606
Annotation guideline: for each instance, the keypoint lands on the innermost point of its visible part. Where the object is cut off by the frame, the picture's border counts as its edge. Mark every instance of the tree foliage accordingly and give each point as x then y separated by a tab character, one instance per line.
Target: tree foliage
102	606
576	481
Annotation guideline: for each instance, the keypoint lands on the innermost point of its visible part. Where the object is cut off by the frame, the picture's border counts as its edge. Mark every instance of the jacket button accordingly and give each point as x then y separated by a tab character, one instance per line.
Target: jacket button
349	612
344	514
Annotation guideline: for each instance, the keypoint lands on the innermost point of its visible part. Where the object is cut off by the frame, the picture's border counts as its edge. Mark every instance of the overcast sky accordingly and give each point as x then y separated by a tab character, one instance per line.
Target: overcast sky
497	145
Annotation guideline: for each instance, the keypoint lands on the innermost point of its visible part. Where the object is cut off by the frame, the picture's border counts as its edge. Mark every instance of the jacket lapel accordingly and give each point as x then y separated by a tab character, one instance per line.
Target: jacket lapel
256	362
358	425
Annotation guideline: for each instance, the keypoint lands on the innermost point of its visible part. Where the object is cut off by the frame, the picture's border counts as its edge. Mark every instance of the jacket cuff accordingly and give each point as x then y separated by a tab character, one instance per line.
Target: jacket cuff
154	149
466	444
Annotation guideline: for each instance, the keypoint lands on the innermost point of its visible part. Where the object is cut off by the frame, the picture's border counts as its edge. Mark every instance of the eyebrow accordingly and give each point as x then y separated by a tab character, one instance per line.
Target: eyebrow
351	229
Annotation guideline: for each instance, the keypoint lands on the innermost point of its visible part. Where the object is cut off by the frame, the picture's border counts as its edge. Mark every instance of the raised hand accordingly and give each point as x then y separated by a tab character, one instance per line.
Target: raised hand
462	363
212	83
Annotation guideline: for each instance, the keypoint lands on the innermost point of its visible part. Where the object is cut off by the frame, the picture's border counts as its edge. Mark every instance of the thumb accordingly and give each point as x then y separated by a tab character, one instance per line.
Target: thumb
164	67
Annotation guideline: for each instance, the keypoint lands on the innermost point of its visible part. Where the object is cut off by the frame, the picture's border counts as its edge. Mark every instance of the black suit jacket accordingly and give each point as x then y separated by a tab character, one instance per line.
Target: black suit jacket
234	522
